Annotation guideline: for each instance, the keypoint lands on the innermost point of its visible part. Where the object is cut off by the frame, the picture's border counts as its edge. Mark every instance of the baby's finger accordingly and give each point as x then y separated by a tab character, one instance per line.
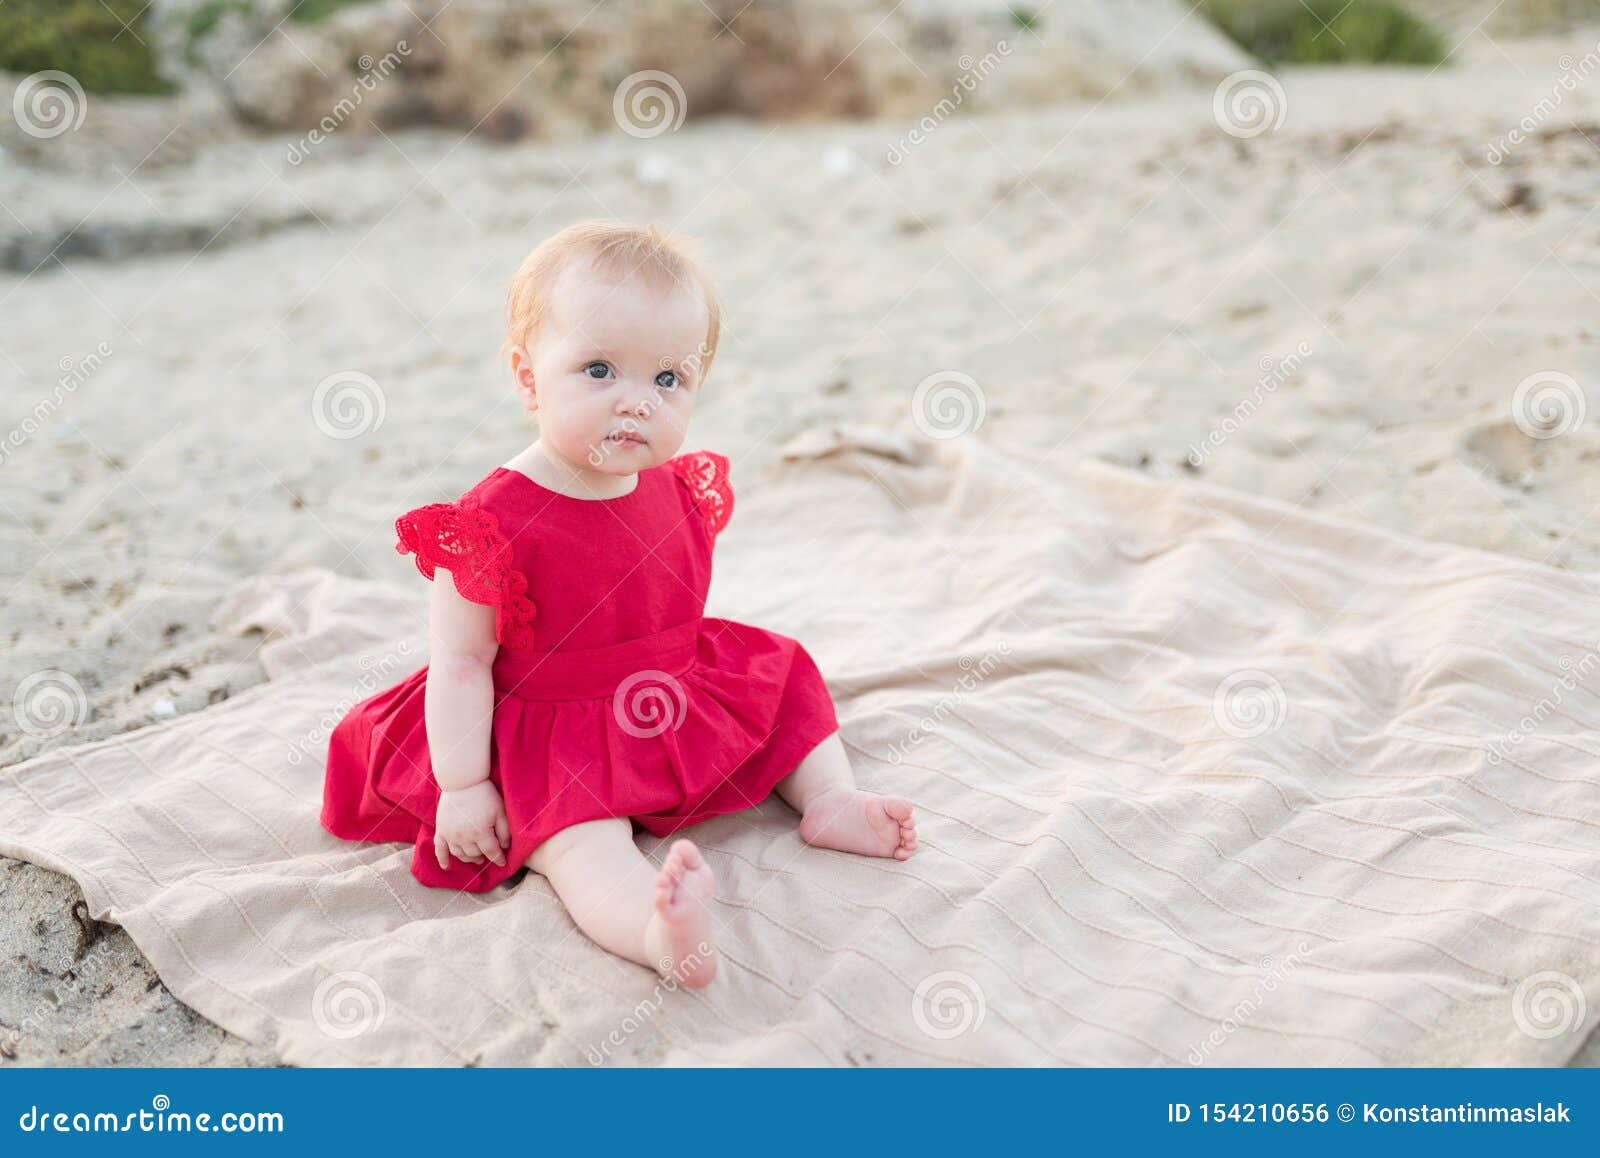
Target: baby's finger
479	844
440	852
502	829
490	847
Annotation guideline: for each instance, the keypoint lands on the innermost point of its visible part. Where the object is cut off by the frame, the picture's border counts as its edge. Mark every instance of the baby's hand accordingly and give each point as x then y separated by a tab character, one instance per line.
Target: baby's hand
470	825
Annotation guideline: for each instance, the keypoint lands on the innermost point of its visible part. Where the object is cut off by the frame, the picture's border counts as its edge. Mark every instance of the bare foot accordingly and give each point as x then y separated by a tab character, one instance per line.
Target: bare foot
851	820
680	934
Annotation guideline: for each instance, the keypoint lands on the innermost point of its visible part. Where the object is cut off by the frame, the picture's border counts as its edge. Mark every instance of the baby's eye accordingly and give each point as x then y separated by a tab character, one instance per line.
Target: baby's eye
605	371
667	380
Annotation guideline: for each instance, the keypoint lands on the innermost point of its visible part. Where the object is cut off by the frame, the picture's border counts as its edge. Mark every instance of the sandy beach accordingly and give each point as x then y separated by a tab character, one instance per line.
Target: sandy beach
1354	311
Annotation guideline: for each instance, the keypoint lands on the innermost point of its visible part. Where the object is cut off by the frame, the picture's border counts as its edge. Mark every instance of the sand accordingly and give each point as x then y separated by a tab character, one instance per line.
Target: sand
1116	278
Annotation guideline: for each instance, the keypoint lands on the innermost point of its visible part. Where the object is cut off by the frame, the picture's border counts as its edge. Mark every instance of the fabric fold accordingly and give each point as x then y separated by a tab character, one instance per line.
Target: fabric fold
1121	864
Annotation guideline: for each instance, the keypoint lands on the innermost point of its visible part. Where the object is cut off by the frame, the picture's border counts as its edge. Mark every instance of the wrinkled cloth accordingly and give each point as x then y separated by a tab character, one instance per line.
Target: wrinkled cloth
1200	779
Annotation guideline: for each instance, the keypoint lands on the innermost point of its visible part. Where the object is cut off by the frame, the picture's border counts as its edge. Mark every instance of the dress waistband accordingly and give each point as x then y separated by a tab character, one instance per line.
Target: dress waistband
596	672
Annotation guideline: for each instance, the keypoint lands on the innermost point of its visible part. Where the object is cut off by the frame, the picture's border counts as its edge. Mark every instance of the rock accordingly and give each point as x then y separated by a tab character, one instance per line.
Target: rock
119	240
557	68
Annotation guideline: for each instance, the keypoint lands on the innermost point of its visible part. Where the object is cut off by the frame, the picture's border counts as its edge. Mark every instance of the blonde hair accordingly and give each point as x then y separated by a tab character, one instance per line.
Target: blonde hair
616	249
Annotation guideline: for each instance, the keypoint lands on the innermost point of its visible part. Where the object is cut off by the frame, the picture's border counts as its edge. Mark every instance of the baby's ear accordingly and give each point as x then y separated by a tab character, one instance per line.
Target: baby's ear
522	376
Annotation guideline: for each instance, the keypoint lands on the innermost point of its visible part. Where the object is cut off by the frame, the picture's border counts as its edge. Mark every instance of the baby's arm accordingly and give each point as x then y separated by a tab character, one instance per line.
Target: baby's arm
458	708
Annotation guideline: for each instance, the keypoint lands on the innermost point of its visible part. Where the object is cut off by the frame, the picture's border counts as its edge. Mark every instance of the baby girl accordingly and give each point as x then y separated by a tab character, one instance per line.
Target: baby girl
575	688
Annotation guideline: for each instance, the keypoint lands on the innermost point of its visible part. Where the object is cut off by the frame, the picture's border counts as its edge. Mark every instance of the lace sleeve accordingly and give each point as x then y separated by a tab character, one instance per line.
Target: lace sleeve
705	473
466	541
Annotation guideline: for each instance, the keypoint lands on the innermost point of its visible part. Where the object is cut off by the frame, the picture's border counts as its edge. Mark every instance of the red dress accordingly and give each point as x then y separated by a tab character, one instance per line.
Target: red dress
614	695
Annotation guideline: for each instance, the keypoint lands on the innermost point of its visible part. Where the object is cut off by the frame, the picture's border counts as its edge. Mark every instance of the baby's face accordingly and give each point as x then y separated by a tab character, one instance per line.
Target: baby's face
615	358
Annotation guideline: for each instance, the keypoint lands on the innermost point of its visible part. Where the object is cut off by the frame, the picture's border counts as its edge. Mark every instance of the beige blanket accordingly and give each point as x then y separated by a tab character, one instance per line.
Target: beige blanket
1201	779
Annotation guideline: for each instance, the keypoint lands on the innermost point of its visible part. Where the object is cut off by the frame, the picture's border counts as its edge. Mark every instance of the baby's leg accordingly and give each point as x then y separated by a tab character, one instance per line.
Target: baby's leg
660	918
834	813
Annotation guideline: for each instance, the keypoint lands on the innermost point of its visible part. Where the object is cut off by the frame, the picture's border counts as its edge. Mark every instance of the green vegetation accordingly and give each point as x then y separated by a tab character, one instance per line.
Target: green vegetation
1024	17
311	11
204	17
104	44
1327	31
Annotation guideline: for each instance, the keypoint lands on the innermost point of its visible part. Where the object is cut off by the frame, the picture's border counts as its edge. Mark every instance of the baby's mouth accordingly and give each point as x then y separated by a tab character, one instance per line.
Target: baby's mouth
625	438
